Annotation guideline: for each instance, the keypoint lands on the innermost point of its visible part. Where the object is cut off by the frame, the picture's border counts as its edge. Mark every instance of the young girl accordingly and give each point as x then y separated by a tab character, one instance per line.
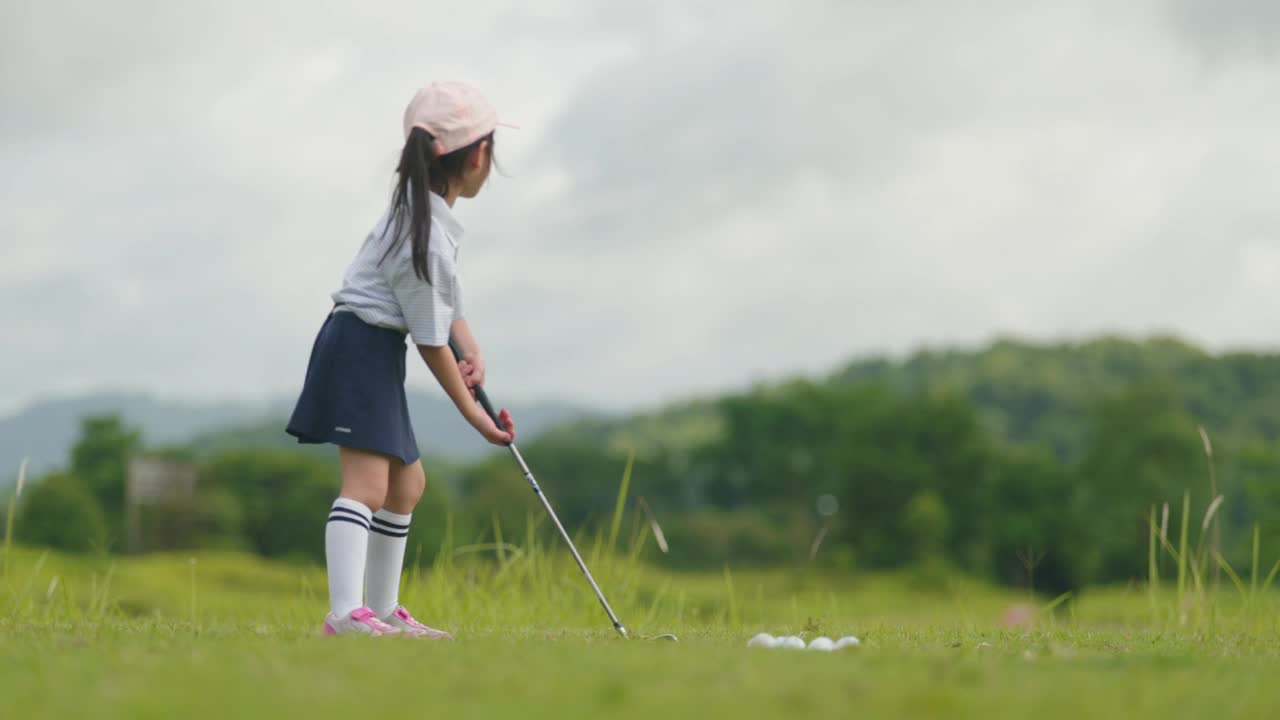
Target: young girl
404	281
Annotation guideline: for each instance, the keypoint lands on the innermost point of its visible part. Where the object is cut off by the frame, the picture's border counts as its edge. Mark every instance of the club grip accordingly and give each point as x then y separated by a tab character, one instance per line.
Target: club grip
481	396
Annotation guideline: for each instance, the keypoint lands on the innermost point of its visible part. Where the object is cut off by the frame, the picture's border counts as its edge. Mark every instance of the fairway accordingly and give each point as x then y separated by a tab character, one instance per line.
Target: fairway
227	635
159	671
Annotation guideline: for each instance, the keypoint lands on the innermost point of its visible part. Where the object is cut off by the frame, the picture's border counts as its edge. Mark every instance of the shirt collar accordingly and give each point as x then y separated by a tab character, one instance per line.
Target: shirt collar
441	211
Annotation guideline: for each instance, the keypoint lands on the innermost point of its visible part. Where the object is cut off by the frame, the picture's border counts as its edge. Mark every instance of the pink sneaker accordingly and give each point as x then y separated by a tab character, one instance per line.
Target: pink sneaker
404	623
361	621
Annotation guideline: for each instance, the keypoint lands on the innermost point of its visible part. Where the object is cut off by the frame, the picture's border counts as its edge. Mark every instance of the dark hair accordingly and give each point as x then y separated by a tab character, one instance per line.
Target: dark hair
421	171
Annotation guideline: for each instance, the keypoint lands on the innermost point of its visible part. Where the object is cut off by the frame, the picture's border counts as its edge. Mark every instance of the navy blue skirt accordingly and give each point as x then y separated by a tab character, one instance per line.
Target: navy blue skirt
354	392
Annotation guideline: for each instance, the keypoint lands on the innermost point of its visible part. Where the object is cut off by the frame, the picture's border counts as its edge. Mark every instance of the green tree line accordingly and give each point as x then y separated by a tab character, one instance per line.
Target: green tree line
1022	463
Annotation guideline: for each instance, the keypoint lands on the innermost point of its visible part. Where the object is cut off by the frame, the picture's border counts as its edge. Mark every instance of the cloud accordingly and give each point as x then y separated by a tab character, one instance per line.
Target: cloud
858	178
1228	27
700	194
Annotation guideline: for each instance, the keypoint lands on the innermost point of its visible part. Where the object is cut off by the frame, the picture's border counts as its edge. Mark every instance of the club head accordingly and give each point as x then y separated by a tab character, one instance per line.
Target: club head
666	636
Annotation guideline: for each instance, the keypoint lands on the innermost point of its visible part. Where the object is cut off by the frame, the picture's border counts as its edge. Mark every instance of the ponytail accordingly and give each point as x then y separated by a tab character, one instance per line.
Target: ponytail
421	171
410	205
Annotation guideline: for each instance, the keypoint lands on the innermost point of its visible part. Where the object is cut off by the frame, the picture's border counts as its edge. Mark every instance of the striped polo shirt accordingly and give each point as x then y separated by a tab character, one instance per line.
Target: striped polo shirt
390	294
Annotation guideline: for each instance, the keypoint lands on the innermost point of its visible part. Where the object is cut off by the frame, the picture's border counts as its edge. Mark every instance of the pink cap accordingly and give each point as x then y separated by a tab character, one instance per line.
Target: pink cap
455	114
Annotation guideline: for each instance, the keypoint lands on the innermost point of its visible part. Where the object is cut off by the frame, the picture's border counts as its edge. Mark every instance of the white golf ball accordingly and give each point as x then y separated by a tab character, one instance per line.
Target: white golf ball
847	641
763	640
792	642
822	643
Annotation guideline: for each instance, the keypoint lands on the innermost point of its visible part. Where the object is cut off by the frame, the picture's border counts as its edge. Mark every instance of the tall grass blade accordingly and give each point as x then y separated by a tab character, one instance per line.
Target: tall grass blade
1208	515
531	542
8	537
658	535
446	545
1231	573
735	620
817	541
656	604
192	564
637	547
1153	564
1182	554
497	540
1056	602
1266	584
10	514
622	502
35	571
498	549
1253	571
1213	493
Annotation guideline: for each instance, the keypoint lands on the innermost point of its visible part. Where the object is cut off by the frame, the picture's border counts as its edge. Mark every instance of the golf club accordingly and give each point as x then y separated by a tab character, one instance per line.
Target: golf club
483	399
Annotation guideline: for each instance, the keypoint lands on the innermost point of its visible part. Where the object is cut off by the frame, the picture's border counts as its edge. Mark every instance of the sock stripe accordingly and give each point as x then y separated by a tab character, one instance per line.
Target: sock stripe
344	518
396	526
389	533
349	511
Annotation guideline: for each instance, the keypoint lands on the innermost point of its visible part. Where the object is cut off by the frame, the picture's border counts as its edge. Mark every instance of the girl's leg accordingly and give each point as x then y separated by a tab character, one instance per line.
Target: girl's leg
365	478
390	532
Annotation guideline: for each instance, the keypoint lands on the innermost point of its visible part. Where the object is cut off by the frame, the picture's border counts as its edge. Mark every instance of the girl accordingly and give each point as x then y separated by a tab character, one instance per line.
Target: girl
404	281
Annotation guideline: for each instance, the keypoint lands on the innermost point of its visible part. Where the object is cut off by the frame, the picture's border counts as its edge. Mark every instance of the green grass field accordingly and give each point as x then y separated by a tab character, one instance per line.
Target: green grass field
224	635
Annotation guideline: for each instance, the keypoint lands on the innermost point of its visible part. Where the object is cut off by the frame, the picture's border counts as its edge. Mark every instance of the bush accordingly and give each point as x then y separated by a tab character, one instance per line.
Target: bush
60	512
927	525
714	537
283	500
275	503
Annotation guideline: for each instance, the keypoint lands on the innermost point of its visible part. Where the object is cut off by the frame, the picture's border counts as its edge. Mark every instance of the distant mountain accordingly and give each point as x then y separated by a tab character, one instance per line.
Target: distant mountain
441	430
45	431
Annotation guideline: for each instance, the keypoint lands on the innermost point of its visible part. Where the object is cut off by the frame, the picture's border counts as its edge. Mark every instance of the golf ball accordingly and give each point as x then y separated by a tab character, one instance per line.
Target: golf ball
822	643
792	642
847	641
763	640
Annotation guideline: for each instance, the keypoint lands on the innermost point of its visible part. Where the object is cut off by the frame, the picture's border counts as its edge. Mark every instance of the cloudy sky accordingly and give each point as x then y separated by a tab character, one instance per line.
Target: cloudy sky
702	193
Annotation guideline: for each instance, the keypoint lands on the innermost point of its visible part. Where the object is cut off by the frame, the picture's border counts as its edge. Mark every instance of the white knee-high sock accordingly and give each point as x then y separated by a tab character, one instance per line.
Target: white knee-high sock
389	534
346	540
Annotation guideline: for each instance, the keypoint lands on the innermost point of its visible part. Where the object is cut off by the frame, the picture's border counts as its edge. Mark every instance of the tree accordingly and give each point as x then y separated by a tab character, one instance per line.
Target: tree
1259	468
873	448
1035	540
1143	450
100	460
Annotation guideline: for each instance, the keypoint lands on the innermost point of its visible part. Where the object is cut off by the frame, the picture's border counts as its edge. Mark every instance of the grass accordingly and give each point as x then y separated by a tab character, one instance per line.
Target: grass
217	635
213	635
157	671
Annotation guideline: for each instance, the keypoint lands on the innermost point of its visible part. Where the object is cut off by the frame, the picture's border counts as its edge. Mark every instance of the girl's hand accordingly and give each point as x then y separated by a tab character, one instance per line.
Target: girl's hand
472	368
484	424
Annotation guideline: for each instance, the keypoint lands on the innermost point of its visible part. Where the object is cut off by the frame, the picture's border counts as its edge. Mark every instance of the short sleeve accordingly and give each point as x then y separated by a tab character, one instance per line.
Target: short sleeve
429	308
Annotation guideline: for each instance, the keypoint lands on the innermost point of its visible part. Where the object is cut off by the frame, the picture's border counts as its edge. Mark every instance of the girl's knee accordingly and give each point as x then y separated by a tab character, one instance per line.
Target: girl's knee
371	491
407	487
370	499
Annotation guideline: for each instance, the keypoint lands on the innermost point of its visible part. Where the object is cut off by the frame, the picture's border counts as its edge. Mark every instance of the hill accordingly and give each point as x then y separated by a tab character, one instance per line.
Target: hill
1040	394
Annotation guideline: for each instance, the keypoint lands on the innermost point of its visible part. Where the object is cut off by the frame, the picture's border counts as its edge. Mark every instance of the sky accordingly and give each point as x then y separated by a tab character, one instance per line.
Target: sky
701	195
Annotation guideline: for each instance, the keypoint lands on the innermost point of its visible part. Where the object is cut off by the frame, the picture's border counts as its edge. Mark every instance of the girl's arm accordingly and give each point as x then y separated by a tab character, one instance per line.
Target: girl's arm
445	368
472	363
461	333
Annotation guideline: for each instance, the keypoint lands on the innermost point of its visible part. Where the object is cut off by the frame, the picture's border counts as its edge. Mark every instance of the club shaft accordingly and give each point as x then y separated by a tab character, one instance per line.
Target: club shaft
537	490
483	398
